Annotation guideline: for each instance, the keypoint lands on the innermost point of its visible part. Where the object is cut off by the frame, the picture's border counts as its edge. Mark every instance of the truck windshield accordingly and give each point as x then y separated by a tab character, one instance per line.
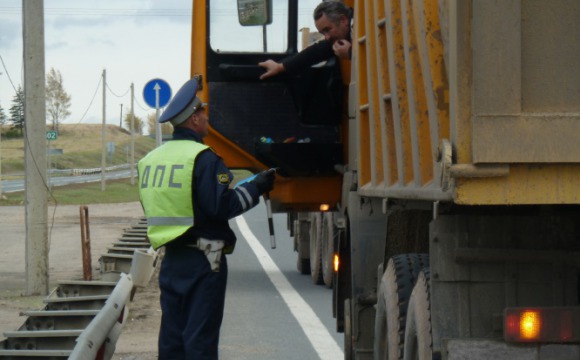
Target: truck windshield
227	35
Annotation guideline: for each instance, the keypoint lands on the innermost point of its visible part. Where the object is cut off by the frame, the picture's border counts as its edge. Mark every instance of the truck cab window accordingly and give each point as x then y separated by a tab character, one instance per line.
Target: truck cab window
227	35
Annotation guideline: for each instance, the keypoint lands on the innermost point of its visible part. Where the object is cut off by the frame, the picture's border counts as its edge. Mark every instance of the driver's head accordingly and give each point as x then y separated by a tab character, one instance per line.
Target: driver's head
332	19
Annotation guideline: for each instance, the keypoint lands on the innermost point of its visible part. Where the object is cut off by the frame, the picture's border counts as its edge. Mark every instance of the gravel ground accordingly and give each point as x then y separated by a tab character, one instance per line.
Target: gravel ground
107	222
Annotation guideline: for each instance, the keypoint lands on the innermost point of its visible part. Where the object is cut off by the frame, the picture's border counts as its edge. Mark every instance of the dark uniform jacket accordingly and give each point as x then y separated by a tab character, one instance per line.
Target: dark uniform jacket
214	202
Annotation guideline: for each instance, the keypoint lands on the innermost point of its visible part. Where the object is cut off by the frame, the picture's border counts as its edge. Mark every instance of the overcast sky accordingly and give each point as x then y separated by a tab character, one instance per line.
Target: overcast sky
134	40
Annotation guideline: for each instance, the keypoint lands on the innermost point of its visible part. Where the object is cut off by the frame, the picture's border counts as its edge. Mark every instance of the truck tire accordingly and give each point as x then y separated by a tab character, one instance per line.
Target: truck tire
328	240
347	331
290	219
315	249
393	299
418	338
341	287
301	238
303	265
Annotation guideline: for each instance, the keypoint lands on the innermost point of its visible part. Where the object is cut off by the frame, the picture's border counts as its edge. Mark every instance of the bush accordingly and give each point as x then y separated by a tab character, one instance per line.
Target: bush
12	134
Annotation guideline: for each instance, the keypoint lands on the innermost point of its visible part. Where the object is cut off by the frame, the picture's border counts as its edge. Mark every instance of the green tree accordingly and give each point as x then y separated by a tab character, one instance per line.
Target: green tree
57	99
17	111
137	124
3	117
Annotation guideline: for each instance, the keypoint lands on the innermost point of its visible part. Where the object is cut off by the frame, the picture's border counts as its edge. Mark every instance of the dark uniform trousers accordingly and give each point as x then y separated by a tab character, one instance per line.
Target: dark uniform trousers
192	304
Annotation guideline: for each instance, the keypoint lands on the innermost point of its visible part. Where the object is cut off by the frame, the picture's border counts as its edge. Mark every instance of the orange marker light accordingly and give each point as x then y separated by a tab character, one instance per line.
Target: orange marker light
530	325
324	207
542	325
336	262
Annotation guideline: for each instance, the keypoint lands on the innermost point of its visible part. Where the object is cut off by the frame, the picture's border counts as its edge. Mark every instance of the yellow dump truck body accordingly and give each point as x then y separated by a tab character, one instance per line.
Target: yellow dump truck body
475	102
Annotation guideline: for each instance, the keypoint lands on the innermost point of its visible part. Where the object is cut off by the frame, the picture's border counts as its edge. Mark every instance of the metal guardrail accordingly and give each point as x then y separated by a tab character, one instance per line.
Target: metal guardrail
104	330
76	171
83	319
89	171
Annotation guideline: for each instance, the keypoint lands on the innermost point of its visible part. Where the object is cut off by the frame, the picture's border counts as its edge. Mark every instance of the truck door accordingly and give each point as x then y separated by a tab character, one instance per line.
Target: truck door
288	121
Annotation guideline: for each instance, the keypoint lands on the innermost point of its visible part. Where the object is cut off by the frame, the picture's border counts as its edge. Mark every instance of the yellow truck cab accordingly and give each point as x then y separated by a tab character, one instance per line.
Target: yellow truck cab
289	122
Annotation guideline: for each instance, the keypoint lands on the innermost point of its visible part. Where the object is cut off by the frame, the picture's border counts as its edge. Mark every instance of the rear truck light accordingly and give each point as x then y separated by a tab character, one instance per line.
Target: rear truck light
324	207
336	262
542	325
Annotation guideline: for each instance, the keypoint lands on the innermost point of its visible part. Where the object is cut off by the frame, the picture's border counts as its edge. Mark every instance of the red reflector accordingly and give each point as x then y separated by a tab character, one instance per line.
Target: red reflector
546	325
566	328
121	315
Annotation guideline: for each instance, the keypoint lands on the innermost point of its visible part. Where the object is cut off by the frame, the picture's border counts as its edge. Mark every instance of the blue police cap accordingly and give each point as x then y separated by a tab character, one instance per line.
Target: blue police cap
183	104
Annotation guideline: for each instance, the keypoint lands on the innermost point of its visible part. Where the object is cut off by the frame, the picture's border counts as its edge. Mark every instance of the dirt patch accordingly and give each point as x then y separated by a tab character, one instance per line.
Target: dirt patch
107	222
139	337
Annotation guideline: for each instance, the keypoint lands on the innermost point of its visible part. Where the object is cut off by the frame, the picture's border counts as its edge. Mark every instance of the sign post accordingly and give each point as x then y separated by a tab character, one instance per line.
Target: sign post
50	136
157	94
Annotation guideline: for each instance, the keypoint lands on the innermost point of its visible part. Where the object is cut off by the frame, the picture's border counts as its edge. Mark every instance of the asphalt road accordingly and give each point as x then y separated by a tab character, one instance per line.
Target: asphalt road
272	311
9	186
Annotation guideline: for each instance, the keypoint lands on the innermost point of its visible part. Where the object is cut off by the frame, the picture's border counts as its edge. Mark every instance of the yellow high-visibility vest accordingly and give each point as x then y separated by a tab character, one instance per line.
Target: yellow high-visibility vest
165	189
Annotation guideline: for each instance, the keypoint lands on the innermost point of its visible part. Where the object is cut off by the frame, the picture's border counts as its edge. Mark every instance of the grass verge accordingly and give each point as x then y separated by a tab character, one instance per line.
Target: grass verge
116	191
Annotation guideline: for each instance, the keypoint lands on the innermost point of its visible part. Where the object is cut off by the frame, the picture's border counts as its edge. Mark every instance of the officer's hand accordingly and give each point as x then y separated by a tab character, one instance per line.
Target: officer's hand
264	181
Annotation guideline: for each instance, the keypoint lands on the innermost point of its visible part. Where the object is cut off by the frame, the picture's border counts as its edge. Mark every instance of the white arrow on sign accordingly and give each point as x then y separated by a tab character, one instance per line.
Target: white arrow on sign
158	137
157	94
157	88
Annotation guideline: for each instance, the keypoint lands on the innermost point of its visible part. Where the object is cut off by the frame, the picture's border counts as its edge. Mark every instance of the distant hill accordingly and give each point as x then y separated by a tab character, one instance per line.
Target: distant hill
81	146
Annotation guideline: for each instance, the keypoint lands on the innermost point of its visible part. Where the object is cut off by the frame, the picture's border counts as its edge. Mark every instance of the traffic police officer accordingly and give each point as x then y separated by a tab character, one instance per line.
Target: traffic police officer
184	190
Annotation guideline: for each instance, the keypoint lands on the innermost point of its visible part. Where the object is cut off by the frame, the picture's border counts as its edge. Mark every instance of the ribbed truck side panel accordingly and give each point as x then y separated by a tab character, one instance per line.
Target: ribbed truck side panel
475	102
524	95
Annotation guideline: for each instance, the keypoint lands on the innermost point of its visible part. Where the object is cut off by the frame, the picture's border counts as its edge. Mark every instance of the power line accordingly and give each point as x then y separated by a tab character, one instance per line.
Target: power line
181	12
91	103
119	96
139	104
8	73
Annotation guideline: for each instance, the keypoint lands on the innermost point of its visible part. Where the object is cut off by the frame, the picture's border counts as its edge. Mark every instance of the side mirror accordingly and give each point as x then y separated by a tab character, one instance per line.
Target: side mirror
254	12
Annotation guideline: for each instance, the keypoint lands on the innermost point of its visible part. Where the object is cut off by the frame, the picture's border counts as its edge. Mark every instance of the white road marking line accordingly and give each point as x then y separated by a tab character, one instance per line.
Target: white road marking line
321	340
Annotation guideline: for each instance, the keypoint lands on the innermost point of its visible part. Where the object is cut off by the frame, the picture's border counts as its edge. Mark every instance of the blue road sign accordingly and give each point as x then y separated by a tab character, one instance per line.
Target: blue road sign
157	93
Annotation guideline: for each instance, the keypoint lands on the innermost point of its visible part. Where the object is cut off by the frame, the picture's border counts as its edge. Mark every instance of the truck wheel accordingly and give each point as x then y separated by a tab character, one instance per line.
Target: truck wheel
347	331
418	339
380	339
301	239
328	234
290	218
341	288
315	249
393	299
303	265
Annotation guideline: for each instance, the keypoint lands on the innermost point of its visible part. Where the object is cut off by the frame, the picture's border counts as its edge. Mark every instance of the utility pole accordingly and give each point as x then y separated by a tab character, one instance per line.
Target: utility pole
121	117
132	136
35	148
104	147
1	195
